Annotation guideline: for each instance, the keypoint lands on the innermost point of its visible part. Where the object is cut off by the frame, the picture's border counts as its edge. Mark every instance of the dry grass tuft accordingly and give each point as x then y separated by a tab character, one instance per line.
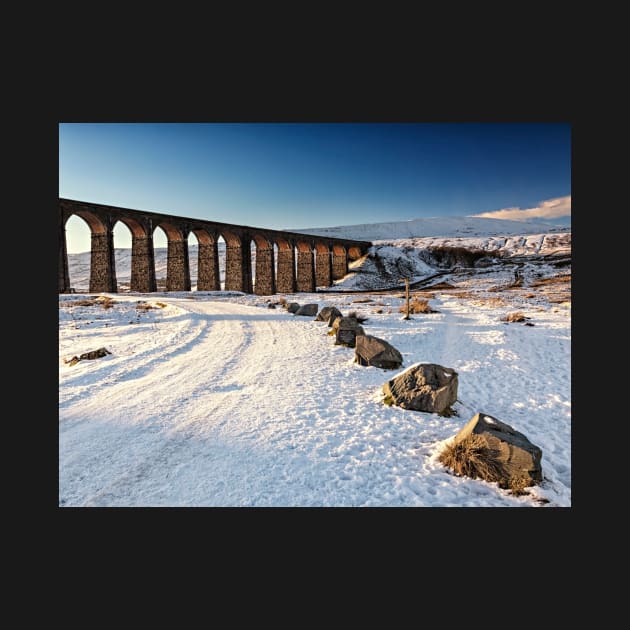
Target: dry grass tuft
362	301
143	306
105	301
417	305
102	300
517	316
161	304
471	457
282	301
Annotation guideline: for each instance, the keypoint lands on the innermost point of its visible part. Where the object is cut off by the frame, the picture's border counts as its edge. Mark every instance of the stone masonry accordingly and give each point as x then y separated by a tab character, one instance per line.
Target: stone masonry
142	264
305	271
323	268
310	271
208	267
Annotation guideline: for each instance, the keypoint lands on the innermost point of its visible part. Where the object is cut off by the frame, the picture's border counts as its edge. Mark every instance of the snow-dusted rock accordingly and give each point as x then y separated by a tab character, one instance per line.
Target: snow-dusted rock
377	352
307	309
517	459
293	307
328	314
423	387
346	330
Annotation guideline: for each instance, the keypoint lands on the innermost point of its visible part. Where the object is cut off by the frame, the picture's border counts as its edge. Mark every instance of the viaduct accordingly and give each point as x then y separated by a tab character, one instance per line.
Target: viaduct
304	261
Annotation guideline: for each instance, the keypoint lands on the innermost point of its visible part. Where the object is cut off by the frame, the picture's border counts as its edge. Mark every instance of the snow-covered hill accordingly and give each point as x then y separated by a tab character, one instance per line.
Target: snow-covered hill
436	226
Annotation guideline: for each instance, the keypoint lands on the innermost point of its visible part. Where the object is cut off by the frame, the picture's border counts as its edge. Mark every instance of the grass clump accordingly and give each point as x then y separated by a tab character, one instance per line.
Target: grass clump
517	316
417	305
473	457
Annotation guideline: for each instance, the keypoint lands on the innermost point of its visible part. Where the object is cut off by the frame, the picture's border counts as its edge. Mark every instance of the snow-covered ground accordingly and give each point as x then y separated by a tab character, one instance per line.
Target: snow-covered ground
218	400
214	399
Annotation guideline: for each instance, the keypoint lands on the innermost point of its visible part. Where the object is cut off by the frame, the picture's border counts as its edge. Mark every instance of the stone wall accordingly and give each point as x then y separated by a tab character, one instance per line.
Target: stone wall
142	265
208	278
265	283
102	265
323	269
238	267
339	266
305	271
286	271
63	276
177	267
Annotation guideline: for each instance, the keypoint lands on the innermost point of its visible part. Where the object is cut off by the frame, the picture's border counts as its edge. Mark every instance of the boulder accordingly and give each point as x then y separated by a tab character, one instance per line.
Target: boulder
346	330
307	309
377	352
333	318
92	354
328	314
510	458
423	387
293	307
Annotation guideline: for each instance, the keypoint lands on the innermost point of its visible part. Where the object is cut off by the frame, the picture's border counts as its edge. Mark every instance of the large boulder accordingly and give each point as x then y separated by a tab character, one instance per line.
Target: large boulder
307	309
423	387
328	314
377	352
493	450
346	330
293	307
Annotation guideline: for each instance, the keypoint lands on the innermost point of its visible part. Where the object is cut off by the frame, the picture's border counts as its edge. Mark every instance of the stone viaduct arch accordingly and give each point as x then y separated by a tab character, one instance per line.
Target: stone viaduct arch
304	261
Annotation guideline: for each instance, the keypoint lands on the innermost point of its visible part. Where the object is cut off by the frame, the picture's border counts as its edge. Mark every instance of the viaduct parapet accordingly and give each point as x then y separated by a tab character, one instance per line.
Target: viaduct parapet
304	261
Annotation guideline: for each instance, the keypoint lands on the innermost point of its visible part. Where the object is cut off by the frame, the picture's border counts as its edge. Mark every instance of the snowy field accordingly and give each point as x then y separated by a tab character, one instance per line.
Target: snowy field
218	400
215	399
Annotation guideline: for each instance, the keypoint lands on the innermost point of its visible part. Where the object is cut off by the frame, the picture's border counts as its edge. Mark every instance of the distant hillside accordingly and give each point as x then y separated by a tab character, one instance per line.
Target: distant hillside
436	226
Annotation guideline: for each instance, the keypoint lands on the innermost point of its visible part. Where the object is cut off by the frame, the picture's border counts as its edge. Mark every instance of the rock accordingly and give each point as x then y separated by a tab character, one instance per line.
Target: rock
293	307
93	354
327	314
515	461
346	330
377	352
424	387
333	319
271	305
307	309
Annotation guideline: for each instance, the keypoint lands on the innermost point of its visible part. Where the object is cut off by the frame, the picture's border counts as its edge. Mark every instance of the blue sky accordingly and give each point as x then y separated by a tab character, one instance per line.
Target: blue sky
295	175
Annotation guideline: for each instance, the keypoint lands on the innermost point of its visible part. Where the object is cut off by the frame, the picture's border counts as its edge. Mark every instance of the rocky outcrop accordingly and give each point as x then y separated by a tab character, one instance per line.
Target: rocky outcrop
376	352
423	387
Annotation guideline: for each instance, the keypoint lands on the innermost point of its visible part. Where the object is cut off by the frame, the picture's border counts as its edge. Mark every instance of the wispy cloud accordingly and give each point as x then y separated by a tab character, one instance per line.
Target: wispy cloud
550	209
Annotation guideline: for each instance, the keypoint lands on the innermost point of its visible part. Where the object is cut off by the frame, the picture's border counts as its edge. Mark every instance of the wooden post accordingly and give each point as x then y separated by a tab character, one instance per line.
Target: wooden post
407	298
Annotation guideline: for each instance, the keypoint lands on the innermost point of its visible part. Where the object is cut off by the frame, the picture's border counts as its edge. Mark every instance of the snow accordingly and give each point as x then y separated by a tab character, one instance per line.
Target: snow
217	400
435	226
214	399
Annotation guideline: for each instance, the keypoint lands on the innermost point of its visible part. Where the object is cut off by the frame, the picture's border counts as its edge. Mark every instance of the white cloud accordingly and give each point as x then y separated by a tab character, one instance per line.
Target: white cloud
550	209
